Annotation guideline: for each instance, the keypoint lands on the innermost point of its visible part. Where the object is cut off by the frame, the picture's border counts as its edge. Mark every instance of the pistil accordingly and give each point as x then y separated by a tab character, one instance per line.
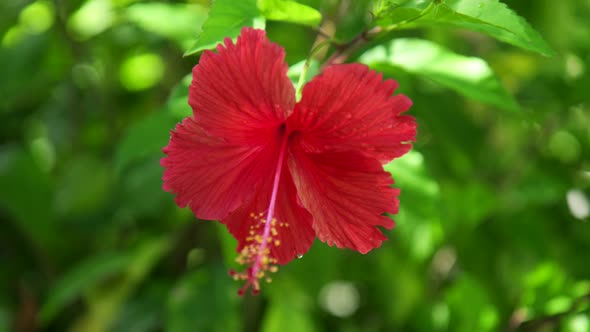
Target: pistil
257	252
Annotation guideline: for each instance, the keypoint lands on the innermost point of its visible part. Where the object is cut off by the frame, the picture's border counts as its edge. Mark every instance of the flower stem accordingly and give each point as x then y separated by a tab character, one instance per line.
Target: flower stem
303	74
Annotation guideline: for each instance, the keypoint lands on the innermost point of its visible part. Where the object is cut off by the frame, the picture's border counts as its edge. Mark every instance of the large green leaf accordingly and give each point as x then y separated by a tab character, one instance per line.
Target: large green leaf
470	76
80	278
226	18
491	17
104	302
289	11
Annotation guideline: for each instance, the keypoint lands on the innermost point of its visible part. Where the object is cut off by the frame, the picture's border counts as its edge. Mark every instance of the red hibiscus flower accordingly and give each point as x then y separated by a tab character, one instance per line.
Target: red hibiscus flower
278	172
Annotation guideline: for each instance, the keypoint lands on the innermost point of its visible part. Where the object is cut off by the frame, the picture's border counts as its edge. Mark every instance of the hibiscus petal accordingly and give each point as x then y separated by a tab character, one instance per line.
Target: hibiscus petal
210	175
292	229
349	107
242	92
347	193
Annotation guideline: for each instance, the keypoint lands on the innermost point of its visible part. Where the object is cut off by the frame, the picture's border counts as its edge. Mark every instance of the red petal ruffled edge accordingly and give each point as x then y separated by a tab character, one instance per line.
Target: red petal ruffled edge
349	107
213	177
242	92
347	193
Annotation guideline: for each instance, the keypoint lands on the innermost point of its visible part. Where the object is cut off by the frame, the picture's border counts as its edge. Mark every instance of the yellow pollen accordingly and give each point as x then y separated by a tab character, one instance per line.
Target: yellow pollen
256	252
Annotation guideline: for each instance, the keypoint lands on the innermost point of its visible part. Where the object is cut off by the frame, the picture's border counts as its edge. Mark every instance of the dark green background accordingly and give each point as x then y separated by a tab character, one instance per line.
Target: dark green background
485	239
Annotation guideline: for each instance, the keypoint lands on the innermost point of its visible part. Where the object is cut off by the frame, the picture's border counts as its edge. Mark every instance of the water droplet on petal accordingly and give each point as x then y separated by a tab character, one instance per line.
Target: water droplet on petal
348	115
299	256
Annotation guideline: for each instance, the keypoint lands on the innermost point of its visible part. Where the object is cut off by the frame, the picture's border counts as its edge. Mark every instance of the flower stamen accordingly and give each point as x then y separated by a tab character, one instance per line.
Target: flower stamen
257	251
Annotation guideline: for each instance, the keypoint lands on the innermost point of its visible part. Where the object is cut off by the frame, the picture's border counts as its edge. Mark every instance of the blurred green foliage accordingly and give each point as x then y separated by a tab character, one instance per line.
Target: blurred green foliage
493	231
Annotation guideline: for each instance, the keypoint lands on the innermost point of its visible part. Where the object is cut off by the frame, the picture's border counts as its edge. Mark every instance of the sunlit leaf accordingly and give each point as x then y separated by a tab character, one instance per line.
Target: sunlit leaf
418	217
470	76
226	19
158	17
289	11
491	17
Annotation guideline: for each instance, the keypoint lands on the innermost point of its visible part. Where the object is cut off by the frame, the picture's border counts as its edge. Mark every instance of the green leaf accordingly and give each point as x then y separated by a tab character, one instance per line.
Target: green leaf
491	17
157	17
204	300
104	302
289	11
5	320
144	139
470	76
141	189
478	314
28	196
419	214
80	278
83	186
226	19
177	103
282	316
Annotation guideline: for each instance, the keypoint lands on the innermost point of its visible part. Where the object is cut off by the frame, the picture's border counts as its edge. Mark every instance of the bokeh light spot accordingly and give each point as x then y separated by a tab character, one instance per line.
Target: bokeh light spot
564	146
92	18
12	36
574	66
578	323
141	72
578	203
557	305
37	17
340	298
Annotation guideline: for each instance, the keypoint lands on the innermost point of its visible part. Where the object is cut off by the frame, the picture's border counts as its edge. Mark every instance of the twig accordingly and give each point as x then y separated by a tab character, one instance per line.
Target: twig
343	51
538	323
